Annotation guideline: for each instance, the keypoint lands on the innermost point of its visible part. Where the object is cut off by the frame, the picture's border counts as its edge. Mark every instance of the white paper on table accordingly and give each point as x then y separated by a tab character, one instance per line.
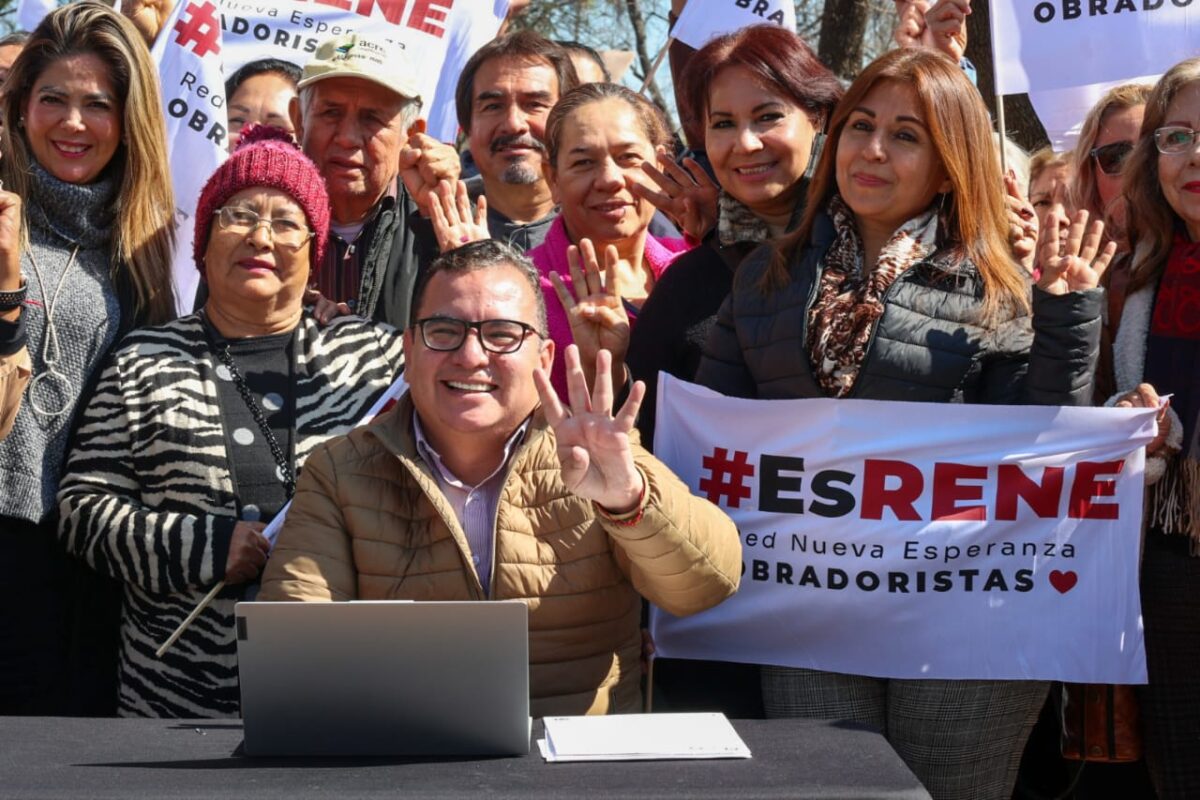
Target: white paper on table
634	737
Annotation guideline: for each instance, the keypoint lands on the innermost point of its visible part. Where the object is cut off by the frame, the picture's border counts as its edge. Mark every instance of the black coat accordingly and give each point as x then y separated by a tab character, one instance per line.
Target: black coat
928	346
676	318
402	243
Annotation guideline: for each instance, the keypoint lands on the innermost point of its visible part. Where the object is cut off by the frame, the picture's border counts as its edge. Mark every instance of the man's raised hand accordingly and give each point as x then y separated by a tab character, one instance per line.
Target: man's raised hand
594	449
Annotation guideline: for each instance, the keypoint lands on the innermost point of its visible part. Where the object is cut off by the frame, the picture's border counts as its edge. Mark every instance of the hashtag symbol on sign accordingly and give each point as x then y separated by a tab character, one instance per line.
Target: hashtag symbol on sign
201	29
727	477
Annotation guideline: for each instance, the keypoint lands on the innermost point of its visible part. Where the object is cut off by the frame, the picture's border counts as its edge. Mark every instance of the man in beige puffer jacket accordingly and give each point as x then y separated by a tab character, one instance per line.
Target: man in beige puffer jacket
472	489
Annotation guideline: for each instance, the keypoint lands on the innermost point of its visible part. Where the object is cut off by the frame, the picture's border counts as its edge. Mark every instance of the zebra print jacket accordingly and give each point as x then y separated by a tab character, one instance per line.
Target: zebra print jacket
148	497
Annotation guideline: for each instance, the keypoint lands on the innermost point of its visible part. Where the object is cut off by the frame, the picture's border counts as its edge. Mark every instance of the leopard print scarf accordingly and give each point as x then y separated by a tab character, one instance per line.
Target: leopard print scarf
736	223
849	302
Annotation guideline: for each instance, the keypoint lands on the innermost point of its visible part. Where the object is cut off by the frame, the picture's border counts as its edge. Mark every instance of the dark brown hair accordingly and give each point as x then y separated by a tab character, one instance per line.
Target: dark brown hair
653	121
524	45
780	59
483	254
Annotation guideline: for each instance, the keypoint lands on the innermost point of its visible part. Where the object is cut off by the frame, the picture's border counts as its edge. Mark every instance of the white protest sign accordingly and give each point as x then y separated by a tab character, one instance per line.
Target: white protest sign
30	12
436	36
1061	111
703	20
917	540
188	55
1055	44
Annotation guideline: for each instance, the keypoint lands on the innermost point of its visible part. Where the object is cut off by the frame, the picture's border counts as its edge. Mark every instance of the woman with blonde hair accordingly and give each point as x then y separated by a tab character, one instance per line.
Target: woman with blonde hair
1106	139
85	157
1156	353
899	284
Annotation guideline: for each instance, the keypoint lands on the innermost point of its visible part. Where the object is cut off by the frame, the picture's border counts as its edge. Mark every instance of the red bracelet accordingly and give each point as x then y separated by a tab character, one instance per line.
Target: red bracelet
636	518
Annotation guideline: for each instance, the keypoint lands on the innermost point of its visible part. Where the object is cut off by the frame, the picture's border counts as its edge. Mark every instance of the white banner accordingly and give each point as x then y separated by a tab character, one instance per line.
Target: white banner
1062	111
1055	44
188	55
702	20
437	36
917	540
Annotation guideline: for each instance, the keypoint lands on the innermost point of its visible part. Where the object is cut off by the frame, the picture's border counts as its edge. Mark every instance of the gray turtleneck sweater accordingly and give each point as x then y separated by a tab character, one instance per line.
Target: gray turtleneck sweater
86	317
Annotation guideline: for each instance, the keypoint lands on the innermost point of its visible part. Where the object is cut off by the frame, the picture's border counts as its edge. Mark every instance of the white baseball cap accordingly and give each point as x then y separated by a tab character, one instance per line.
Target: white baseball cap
354	56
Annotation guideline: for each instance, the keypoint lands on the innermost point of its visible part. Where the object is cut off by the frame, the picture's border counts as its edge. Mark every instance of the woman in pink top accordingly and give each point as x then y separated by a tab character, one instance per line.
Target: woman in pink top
598	136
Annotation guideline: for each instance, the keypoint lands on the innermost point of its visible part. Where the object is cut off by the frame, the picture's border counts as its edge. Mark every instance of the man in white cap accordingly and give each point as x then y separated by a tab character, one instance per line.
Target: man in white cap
357	118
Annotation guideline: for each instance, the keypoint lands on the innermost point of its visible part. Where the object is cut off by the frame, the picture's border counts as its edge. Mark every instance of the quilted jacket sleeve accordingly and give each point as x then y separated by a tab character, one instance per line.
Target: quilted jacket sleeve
1059	367
684	554
312	558
723	365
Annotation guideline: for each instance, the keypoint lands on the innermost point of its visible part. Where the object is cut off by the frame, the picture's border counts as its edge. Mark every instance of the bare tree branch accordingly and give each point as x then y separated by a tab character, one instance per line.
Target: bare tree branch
634	9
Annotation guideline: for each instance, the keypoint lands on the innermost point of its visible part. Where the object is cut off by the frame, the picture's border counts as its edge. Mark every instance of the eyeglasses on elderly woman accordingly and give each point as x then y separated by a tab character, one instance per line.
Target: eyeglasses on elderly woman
1175	139
285	232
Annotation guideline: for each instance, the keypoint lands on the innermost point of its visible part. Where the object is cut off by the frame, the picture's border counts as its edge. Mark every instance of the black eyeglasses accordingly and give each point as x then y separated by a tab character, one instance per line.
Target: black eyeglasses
1111	157
446	334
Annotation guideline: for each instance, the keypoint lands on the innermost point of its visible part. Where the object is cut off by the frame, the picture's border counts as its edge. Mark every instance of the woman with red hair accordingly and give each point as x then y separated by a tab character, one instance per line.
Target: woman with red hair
761	99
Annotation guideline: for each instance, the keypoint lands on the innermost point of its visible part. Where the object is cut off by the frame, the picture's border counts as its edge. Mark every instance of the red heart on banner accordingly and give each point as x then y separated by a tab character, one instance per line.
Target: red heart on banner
1063	581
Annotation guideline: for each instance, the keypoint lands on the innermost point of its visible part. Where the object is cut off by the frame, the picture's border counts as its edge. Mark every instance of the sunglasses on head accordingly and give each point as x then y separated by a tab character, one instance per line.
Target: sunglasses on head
1111	157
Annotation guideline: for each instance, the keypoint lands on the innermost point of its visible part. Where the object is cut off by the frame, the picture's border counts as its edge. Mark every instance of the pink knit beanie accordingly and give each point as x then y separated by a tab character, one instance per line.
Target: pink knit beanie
265	156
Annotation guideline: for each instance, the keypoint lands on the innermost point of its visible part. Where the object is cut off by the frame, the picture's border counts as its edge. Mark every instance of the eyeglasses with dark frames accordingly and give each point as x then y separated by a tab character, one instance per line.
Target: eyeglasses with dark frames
1175	139
284	232
1111	157
447	334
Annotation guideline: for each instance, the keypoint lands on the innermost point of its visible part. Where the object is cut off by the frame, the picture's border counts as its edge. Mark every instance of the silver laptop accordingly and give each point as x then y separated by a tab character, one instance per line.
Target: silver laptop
382	678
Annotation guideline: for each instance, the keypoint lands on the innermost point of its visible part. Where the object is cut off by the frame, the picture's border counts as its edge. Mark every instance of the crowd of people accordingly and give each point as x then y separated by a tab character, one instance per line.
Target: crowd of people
805	239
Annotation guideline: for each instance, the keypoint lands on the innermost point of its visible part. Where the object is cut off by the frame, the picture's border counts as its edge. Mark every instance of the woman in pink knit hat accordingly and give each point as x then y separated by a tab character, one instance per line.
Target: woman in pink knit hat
197	429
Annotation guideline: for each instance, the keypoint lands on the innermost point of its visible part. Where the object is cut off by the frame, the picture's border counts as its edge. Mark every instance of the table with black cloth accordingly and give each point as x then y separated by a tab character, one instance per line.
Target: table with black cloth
58	757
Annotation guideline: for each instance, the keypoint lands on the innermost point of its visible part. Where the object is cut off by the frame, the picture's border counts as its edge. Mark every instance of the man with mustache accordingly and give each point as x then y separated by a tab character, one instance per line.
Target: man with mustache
504	94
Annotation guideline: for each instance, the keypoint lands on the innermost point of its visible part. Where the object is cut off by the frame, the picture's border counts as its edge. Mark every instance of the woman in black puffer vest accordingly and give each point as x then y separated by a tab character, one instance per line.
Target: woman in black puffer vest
898	284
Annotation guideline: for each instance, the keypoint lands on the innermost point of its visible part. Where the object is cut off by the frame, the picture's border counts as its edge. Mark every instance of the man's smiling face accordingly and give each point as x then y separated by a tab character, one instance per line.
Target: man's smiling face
468	396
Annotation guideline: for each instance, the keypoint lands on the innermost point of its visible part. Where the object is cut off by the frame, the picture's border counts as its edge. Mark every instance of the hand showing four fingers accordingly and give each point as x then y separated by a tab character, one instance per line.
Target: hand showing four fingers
593	443
454	220
1070	253
594	308
689	197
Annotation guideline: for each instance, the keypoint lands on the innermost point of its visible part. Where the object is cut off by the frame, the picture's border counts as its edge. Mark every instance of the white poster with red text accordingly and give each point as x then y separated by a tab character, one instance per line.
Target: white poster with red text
917	540
436	36
188	55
